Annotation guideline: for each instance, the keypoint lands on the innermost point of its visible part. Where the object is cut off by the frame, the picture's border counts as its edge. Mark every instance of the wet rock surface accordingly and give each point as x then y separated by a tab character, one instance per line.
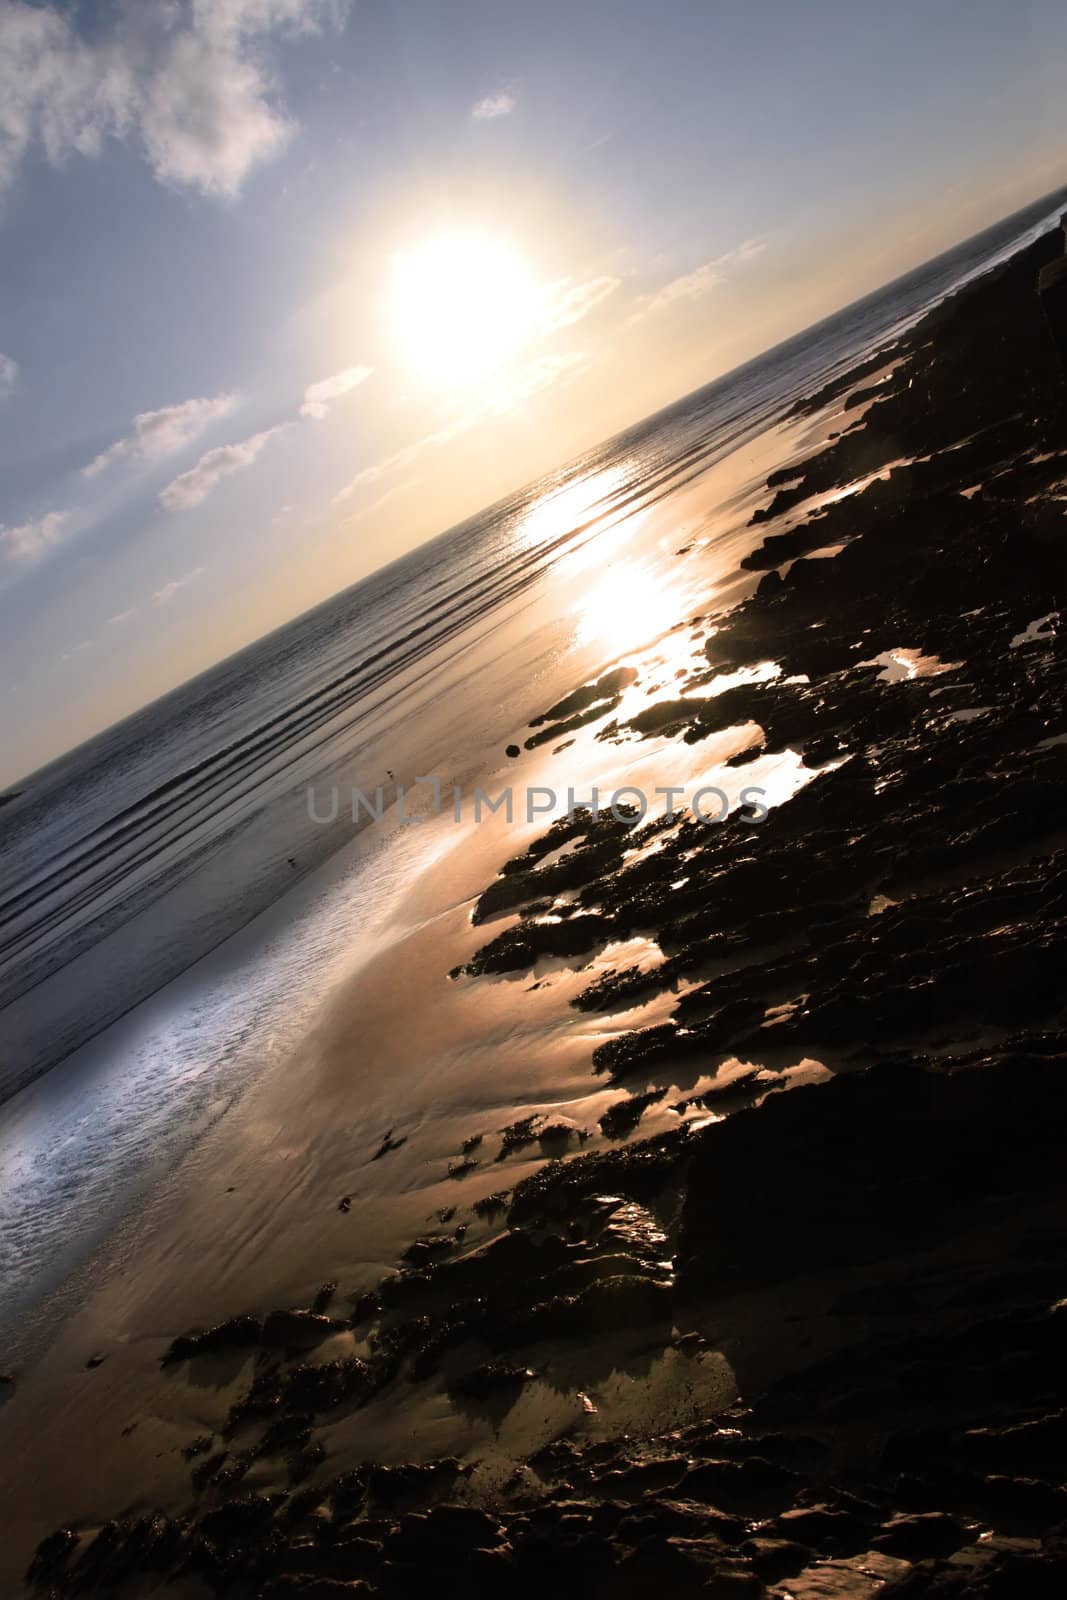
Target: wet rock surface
879	1257
928	1439
920	674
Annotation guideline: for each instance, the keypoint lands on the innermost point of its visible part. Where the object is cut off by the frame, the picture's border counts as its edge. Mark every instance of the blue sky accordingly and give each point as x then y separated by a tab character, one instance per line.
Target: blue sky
289	285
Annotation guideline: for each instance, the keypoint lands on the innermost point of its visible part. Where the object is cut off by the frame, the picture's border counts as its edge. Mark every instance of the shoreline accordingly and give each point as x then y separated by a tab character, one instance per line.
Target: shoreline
606	1360
71	1004
104	1067
471	853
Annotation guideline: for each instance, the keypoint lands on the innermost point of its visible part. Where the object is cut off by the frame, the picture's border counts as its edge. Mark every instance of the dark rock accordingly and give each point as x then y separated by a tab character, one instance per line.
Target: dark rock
240	1333
920	1538
606	688
740	1483
840	1145
388	1144
286	1433
622	1118
422	1251
207	1470
367	1306
295	1329
100	1555
773	1559
491	1379
304	1459
659	1516
684	1568
411	1484
1031	1446
301	1586
631	1482
52	1555
1022	1502
322	1388
238	1520
198	1446
822	1529
348	1492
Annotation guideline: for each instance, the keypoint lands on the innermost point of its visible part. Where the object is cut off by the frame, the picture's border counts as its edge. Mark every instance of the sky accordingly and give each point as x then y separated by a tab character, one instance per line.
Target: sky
289	286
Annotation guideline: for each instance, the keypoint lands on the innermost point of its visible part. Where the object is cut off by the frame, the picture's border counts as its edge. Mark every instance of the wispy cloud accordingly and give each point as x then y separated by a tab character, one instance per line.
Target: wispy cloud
707	276
317	396
686	287
401	458
190	488
161	433
183	81
567	303
31	539
393	493
9	372
163	596
494	105
77	649
536	376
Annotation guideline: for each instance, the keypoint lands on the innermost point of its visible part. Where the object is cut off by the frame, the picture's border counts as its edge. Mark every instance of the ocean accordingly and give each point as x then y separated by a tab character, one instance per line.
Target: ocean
185	829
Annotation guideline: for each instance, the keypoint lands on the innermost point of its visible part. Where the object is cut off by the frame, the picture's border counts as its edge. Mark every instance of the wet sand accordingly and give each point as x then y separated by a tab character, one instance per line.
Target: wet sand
667	1203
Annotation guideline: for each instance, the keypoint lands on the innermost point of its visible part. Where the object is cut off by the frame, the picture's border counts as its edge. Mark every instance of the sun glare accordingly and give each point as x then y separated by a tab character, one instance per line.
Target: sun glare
462	304
630	605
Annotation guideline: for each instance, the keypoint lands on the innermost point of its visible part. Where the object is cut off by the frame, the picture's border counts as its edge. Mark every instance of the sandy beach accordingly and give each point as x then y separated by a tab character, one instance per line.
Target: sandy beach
649	1201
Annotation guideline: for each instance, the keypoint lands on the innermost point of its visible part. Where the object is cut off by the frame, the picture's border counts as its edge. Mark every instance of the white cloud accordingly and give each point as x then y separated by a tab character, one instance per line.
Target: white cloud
698	282
494	105
121	617
160	433
32	538
184	79
567	303
9	371
318	395
191	487
163	596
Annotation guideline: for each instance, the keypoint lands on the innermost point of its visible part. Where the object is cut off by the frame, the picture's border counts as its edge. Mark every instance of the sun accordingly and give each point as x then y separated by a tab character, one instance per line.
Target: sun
462	304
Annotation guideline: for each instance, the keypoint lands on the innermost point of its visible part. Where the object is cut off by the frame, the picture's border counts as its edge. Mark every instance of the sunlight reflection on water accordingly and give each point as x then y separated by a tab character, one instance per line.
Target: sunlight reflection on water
579	507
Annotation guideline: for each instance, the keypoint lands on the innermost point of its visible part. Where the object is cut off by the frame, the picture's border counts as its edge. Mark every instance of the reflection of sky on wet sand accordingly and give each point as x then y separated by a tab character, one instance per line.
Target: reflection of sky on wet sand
630	562
901	664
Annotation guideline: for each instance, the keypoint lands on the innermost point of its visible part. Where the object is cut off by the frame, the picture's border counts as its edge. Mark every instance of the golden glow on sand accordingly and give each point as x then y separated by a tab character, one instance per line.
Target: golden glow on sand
462	304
